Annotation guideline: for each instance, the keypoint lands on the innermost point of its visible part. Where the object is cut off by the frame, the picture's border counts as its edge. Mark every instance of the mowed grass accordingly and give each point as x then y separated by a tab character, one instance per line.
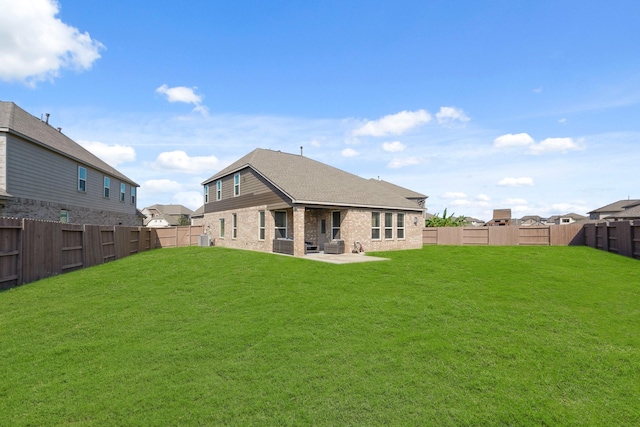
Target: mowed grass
438	336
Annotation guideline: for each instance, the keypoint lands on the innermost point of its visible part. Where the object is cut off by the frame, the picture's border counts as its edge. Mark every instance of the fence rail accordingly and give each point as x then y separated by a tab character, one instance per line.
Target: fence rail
555	235
31	250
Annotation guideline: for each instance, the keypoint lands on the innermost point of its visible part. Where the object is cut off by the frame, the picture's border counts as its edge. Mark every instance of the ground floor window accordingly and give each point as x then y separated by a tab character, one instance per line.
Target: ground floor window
261	225
234	226
335	225
388	225
375	225
281	224
400	225
64	216
221	227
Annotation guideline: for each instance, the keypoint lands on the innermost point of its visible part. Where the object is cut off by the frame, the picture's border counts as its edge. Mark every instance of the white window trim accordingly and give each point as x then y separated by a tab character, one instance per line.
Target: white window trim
236	185
80	179
234	226
133	195
221	231
262	229
123	192
379	228
390	227
334	227
404	226
219	190
206	193
106	191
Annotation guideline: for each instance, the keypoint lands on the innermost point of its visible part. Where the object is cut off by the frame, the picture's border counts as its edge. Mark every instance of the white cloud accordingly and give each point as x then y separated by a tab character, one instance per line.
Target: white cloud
515	182
349	152
179	161
483	197
184	94
448	115
509	202
454	195
393	124
35	45
393	147
537	90
553	145
400	163
562	120
565	208
513	140
114	155
161	186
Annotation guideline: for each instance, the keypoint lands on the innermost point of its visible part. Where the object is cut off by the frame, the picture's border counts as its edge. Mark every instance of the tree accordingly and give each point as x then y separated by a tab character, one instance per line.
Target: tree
445	221
184	220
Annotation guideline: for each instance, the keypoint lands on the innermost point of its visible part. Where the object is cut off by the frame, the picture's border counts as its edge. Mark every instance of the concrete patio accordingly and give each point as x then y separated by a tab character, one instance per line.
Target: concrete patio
346	258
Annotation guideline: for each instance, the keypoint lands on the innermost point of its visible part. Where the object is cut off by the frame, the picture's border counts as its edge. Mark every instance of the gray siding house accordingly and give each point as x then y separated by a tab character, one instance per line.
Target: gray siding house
278	202
46	175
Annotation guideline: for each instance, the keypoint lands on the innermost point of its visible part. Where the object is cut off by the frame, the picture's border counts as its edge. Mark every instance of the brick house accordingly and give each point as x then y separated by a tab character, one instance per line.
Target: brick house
46	175
278	202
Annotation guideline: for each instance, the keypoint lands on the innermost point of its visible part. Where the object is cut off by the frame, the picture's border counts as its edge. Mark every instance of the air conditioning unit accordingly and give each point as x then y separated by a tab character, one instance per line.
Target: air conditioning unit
203	240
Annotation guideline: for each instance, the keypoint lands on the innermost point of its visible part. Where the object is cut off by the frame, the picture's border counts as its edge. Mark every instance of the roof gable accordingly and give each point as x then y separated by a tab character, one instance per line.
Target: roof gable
308	181
18	121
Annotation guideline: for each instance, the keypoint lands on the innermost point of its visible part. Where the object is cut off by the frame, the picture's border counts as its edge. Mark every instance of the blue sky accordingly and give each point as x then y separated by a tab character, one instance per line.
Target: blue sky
481	105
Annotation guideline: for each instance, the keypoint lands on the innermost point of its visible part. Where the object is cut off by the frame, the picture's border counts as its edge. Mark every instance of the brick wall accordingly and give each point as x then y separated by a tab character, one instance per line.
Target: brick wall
356	227
49	211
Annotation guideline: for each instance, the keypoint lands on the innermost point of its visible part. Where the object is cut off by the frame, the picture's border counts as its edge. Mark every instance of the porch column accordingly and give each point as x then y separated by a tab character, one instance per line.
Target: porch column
298	231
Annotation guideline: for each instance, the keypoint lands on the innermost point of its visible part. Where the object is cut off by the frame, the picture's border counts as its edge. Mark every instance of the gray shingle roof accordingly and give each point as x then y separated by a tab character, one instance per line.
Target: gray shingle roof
631	213
18	121
308	181
617	206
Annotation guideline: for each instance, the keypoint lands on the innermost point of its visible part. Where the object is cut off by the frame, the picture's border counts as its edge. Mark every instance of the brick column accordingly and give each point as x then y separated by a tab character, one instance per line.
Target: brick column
298	231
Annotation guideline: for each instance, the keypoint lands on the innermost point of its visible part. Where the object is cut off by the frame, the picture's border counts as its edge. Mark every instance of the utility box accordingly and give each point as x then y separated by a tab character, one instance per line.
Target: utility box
203	240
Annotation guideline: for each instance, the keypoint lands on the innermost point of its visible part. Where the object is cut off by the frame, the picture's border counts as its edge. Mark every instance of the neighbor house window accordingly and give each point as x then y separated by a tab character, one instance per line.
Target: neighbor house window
221	227
64	216
281	224
335	225
219	190
206	193
400	225
236	184
107	186
261	224
82	179
234	226
375	225
388	225
133	195
123	191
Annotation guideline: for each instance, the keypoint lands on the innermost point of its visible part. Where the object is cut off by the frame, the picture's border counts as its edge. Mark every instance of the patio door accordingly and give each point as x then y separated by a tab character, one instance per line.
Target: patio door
322	234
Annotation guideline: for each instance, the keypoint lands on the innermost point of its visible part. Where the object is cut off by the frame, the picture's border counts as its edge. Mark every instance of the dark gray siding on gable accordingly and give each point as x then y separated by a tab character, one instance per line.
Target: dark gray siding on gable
254	191
36	173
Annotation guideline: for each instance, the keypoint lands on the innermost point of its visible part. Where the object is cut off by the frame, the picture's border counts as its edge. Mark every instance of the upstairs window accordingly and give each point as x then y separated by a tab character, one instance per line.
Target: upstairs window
206	193
236	184
107	186
133	195
219	190
82	179
375	225
123	190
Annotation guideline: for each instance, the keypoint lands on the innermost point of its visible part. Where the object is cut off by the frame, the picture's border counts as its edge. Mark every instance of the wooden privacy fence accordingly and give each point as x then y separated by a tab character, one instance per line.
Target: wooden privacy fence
555	235
32	250
620	237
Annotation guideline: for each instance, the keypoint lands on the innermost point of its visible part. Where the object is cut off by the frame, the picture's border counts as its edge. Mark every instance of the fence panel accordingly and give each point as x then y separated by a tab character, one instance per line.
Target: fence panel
534	236
475	236
92	238
108	243
430	236
567	235
635	239
42	254
72	248
503	236
10	252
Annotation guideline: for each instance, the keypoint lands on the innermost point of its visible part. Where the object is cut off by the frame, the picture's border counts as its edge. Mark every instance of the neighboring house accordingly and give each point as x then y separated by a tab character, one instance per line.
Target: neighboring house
474	222
630	213
613	209
46	175
501	217
197	215
532	220
569	218
270	200
158	216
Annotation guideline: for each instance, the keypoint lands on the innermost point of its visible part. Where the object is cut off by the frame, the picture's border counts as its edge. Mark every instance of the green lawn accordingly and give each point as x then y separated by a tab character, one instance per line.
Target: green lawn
438	336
